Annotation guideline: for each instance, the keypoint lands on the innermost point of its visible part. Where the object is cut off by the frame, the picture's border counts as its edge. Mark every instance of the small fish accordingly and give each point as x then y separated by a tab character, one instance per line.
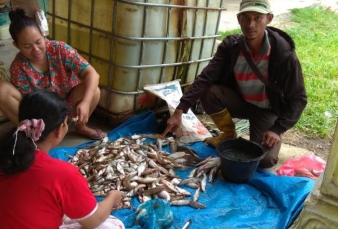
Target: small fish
164	195
183	191
173	146
152	191
175	181
172	173
141	168
176	155
180	202
192	185
204	161
190	180
126	183
159	144
120	168
196	195
190	152
213	174
146	180
204	182
181	160
196	205
169	185
210	164
192	173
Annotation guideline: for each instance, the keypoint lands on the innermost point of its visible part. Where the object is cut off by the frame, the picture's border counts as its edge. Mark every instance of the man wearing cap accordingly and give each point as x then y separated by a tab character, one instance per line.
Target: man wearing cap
255	75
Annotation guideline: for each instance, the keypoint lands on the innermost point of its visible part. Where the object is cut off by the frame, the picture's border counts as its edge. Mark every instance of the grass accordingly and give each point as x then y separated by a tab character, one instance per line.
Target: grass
315	33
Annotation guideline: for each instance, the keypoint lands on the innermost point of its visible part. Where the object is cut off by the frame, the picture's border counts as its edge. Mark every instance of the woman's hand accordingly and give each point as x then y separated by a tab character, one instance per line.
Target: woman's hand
82	112
105	207
117	197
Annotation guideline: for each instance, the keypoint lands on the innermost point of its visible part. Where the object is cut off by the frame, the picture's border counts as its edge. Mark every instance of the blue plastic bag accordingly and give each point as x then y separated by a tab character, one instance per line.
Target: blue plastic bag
154	214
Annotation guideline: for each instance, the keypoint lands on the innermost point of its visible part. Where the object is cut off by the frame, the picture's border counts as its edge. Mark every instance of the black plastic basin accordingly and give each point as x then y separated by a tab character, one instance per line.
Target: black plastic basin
239	159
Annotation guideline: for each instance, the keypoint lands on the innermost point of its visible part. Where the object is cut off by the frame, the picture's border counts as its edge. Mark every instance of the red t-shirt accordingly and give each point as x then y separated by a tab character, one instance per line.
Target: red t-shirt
41	195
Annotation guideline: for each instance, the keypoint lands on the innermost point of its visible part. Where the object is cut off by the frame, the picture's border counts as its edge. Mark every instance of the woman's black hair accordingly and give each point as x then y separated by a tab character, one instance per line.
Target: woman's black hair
42	104
19	21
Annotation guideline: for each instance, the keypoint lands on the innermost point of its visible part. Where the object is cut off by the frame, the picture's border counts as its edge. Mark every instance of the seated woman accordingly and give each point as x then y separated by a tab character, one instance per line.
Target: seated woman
47	64
36	191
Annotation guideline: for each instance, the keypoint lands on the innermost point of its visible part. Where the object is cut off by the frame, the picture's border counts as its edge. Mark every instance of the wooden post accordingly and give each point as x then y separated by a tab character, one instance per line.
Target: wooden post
321	206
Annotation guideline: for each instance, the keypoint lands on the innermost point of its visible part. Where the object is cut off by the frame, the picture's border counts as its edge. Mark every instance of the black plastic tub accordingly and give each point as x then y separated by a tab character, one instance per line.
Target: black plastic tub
239	159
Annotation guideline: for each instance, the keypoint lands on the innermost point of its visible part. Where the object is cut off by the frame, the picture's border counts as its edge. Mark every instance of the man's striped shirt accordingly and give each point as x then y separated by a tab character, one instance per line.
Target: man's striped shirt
252	89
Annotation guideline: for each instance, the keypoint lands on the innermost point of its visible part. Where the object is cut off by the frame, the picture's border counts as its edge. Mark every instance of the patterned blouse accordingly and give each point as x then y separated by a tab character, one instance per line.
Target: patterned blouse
65	68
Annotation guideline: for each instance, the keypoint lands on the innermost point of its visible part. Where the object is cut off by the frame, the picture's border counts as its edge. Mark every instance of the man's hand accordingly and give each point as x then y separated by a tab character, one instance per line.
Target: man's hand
270	139
173	123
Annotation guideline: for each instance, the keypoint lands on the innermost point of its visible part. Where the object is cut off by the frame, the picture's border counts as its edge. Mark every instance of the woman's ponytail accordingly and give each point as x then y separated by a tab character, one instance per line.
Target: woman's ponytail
20	21
24	152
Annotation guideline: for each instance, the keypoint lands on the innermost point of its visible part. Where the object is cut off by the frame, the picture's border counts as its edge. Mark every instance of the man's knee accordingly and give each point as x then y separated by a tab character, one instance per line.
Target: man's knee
212	99
213	90
270	159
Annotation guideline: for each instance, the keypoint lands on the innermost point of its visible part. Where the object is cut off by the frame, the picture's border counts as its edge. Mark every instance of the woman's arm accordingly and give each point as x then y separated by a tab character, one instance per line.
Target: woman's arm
104	209
90	83
77	66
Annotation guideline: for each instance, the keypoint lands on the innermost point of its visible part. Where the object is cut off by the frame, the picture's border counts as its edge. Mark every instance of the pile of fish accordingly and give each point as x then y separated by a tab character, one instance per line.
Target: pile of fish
142	169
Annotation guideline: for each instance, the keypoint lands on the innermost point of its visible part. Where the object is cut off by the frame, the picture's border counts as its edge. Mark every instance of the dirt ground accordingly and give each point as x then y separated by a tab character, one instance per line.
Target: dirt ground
321	147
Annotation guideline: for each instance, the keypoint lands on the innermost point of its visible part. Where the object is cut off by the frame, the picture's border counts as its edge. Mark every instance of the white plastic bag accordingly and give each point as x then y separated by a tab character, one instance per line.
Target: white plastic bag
192	130
42	21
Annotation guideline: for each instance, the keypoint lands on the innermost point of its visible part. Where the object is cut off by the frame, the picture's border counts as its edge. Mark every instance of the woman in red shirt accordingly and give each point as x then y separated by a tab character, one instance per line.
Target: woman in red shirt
53	65
36	190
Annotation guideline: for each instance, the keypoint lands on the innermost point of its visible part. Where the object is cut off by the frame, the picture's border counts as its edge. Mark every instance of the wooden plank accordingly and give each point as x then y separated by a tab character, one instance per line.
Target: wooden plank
30	6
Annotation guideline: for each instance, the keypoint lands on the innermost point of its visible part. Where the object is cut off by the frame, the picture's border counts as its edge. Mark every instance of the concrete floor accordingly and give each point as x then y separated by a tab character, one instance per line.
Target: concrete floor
228	21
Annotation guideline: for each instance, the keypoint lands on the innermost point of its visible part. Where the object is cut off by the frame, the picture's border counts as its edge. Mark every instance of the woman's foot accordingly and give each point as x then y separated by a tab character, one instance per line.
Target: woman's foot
92	133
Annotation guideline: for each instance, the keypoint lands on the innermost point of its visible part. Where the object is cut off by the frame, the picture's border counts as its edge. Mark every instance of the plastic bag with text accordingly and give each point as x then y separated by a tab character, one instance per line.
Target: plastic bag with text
306	166
192	130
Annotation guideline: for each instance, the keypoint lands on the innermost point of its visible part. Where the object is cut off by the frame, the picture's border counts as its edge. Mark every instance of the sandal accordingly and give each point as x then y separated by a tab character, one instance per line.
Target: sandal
98	135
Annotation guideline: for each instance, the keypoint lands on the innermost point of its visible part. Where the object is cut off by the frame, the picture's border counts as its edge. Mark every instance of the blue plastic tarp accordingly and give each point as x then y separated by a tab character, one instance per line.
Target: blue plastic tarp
265	201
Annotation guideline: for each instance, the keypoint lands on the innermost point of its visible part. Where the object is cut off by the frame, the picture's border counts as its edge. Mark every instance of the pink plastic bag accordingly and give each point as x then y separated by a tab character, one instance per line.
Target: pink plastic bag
307	166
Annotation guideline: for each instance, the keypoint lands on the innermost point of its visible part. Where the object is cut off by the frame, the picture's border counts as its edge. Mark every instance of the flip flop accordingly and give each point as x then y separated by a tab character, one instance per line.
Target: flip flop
98	135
